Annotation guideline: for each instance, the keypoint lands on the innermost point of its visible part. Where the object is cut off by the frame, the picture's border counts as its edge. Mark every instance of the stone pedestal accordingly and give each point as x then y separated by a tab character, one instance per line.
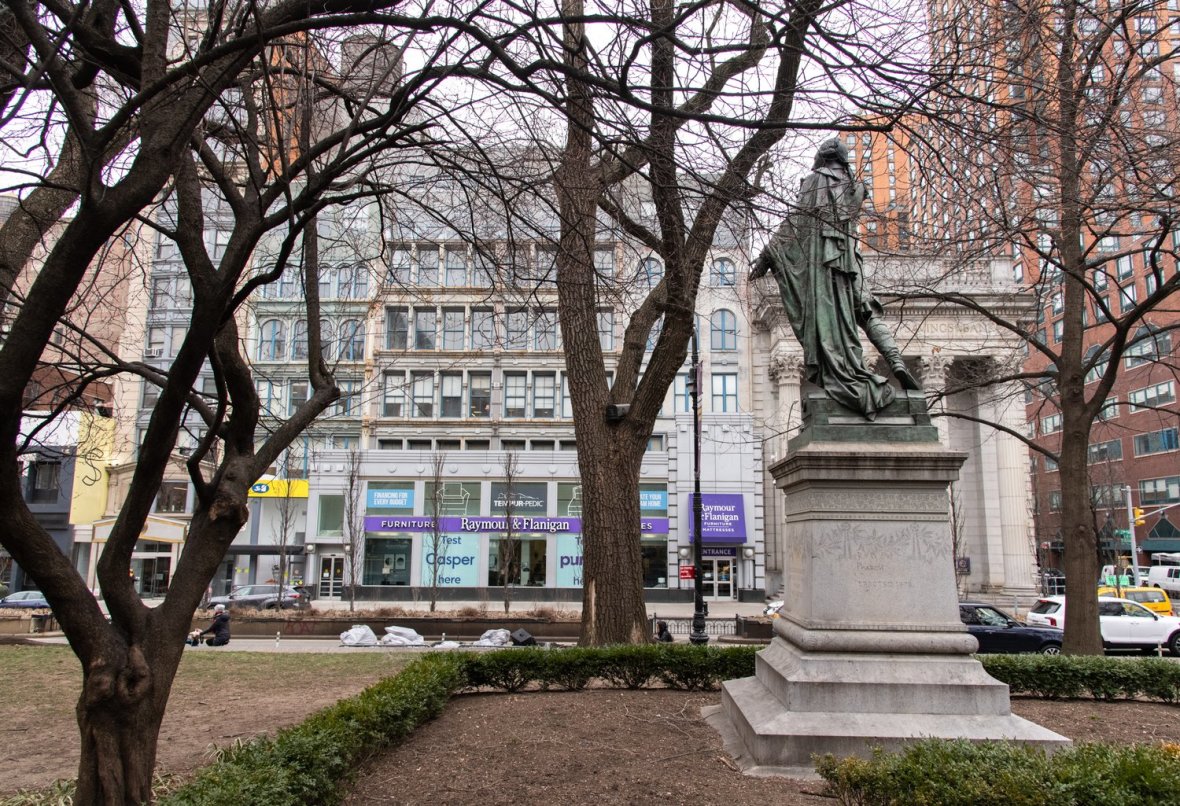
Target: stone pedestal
868	650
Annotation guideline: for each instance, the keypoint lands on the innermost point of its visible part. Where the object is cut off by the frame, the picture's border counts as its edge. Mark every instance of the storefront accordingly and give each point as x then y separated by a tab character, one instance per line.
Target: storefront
723	548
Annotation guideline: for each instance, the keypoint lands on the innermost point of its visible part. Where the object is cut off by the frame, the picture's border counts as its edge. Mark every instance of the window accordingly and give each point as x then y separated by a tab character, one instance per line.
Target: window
45	480
393	395
1055	500
1100	280
483	271
544	395
422	391
653	335
604	264
456	267
725	397
454	328
149	397
451	395
1147	346
352	340
723	331
348	404
1110	409
651	271
297	396
173	496
353	282
1106	495
331	515
424	328
272	342
1101	306
516	331
722	272
299	340
1160	491
567	408
1127	296
1156	442
1051	464
270	395
1111	451
1124	267
1156	395
479	391
515	394
681	393
1058	302
606	330
1058	330
548	337
483	329
1051	424
397	328
399	266
428	265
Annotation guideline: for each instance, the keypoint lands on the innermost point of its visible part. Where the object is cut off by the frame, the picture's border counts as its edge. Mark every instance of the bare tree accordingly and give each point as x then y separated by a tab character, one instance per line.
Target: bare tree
508	544
156	99
286	519
1057	141
354	524
437	547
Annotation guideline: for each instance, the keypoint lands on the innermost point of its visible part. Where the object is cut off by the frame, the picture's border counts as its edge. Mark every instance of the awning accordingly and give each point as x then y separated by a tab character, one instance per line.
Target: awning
1157	544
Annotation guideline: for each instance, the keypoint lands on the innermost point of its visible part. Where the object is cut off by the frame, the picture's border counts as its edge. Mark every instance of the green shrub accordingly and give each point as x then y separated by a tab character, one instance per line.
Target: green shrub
1072	676
505	669
570	669
631	667
960	773
308	763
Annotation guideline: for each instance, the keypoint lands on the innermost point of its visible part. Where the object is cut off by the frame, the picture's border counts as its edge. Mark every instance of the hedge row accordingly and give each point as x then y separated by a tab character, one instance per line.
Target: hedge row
1073	676
960	773
307	764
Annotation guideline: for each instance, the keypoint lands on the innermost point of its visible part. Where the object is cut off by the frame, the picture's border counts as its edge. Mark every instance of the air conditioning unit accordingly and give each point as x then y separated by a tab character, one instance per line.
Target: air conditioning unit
153	352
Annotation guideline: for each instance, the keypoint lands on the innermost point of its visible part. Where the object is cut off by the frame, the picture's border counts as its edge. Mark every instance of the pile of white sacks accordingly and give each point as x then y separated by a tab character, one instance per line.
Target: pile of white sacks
362	635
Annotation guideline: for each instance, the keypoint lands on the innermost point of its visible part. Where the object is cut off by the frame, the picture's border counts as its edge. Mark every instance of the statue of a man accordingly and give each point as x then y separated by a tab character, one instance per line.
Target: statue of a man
814	258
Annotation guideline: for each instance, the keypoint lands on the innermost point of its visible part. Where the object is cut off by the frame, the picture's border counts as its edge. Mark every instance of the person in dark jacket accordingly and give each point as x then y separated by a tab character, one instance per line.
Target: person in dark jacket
219	630
662	634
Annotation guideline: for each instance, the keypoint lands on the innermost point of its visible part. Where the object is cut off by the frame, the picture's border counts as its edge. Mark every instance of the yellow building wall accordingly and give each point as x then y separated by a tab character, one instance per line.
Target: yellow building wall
96	440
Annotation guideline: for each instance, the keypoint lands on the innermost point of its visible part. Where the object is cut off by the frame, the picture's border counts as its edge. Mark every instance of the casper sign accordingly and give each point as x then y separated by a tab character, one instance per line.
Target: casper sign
723	517
457	560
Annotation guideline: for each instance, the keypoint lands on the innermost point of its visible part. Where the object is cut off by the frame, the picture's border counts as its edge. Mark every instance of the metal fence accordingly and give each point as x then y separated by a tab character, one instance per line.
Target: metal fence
682	625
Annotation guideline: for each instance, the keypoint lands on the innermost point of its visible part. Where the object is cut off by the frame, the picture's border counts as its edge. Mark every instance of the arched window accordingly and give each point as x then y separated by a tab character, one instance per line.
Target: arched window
722	273
723	331
327	333
352	340
299	340
272	342
353	282
651	271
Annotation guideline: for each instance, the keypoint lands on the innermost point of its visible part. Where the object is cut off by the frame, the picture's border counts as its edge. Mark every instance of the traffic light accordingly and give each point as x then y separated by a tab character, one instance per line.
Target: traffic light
1137	516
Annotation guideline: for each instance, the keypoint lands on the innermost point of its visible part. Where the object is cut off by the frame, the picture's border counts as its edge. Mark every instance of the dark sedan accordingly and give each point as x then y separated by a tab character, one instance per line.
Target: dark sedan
25	599
998	632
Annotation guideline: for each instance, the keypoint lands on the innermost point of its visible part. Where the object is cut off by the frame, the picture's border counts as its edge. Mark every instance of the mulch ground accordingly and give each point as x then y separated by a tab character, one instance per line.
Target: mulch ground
635	747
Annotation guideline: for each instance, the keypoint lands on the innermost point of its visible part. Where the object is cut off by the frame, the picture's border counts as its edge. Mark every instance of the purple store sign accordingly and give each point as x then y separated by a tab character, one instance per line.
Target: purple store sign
493	523
723	517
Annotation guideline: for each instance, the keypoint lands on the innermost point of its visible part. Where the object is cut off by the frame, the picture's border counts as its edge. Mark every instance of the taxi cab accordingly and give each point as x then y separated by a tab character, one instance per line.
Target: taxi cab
1154	599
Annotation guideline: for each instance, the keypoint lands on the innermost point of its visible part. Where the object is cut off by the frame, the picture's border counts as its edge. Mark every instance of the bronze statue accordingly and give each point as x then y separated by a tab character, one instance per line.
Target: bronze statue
815	260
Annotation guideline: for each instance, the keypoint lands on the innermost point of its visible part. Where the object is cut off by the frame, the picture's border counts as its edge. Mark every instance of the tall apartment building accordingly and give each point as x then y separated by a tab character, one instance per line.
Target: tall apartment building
1003	156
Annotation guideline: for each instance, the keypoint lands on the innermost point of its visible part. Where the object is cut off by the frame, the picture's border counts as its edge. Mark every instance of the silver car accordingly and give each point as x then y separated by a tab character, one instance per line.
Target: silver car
261	597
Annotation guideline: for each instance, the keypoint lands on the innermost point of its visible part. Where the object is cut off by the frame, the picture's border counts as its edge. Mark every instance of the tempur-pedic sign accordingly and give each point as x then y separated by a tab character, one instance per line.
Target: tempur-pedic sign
494	523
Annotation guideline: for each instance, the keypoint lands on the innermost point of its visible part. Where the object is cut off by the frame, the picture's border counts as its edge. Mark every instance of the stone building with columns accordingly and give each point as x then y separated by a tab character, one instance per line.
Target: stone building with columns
945	346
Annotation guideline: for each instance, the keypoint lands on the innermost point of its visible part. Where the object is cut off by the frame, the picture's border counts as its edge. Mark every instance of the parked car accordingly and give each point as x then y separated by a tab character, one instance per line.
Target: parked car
1124	624
1154	599
261	597
997	631
25	599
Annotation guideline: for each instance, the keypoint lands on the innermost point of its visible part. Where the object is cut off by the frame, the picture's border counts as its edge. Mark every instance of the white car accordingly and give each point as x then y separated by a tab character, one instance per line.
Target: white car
1124	624
772	608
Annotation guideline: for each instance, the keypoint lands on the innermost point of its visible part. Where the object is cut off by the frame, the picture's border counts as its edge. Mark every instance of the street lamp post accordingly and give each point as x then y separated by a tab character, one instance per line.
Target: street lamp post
698	634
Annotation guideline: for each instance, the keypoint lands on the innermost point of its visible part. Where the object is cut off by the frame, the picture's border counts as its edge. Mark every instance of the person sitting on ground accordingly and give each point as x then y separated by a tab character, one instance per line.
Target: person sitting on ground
662	634
219	630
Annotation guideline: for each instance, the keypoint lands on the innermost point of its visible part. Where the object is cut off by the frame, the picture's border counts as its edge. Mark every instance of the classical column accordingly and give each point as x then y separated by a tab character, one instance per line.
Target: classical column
786	370
934	370
1012	468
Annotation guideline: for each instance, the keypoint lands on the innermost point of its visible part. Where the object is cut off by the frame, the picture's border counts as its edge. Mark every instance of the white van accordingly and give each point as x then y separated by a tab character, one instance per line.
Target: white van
1166	577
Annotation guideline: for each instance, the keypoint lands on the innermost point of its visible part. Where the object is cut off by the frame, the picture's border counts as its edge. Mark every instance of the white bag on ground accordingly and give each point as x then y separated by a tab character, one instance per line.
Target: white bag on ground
358	635
495	638
402	636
